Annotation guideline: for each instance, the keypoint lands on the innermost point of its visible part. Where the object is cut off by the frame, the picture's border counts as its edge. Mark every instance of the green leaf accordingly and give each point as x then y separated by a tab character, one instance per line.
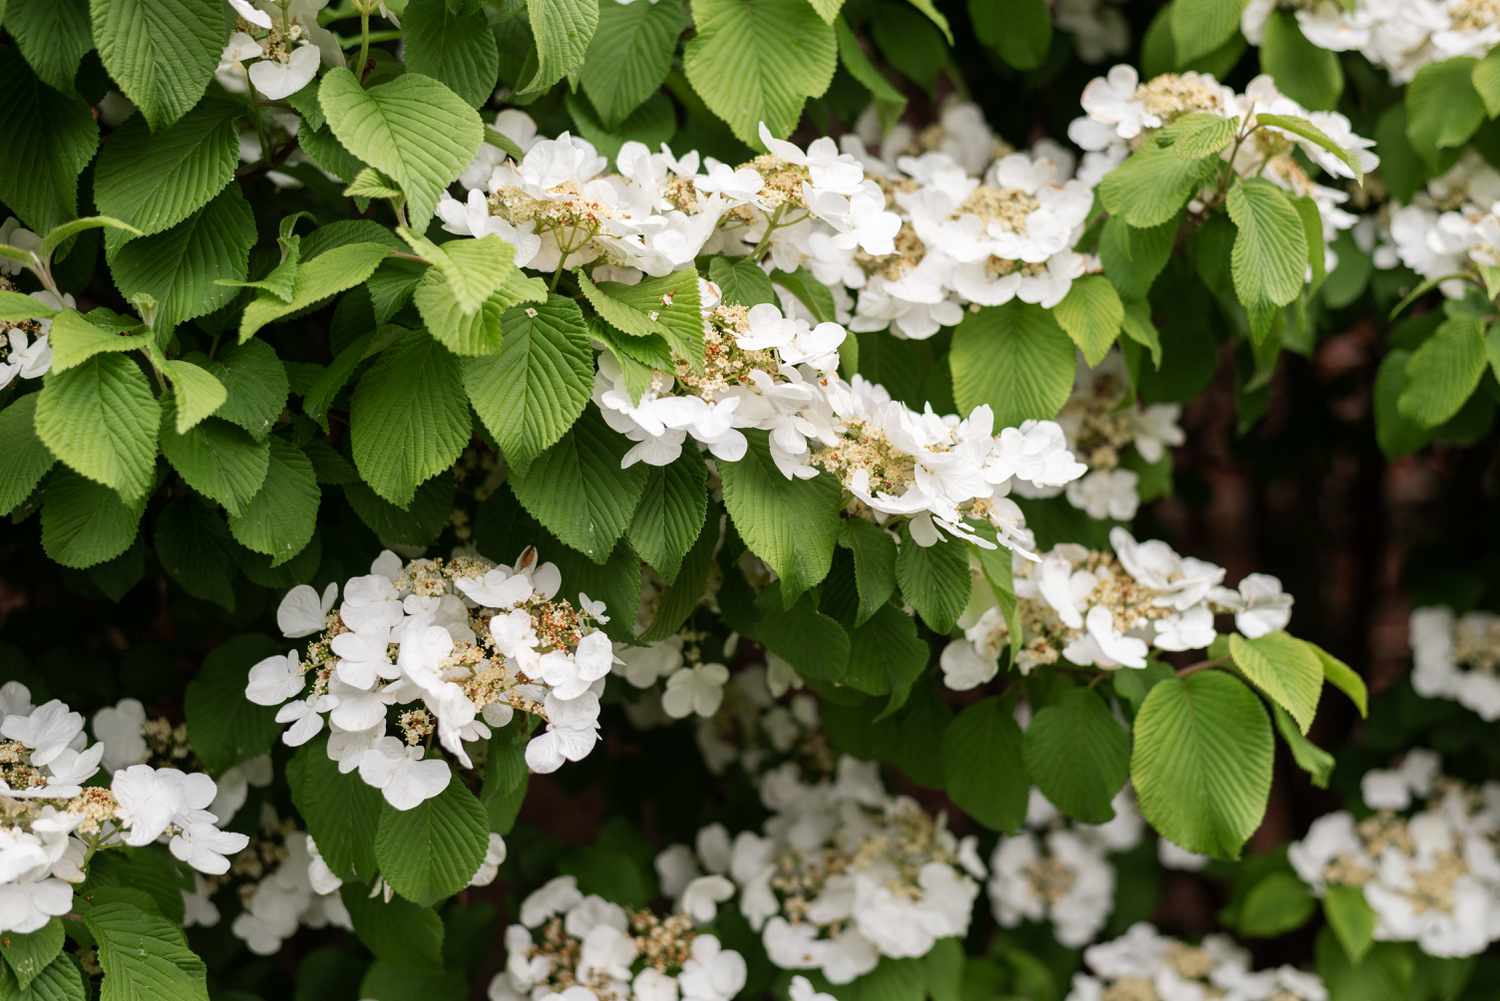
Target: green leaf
280	519
791	524
100	419
630	56
1199	134
1091	313
1153	185
1311	758
257	385
1442	108
1283	667
1269	260
75	340
667	307
529	394
371	183
219	461
432	850
155	180
409	419
1020	31
813	643
179	267
325	275
1486	79
84	524
1396	433
1274	905
340	811
395	930
874	554
562	30
19	307
754	61
53	35
280	281
1309	74
935	581
1299	126
49	139
24	460
481	332
419	524
1139	329
1200	26
670	516
886	657
144	956
1343	677
474	269
1015	358
1444	372
741	281
58	235
578	491
453	46
1078	755
196	393
983	768
1351	917
935	16
226	728
162	53
194	548
414	129
28	955
1202	761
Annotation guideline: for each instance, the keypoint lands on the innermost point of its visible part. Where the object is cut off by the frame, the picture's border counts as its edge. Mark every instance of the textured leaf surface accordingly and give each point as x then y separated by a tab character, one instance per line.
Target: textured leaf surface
24	460
85	524
1285	668
1202	762
155	180
1078	755
983	769
630	55
1269	260
562	31
670	516
1443	373
225	727
280	519
791	524
341	811
328	274
414	129
1016	359
145	956
100	418
49	139
432	850
756	61
218	460
162	53
454	47
409	419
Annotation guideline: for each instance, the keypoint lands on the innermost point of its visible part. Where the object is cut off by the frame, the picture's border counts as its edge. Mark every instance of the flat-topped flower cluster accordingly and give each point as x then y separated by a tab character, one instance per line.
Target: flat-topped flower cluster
580	947
1102	609
1449	229
766	370
1457	657
1121	111
844	873
1145	965
52	822
1400	35
438	650
1426	858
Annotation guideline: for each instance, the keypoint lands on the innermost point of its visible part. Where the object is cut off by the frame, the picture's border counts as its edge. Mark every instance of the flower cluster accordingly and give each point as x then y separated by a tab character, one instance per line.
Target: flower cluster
1400	35
1145	965
766	370
575	947
273	878
1448	228
25	351
1457	657
1426	858
51	822
131	737
845	873
277	47
1108	609
1059	872
1105	426
1121	112
437	648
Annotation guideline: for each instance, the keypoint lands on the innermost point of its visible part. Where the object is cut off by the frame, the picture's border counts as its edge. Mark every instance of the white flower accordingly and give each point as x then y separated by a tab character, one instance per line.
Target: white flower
48	730
303	612
402	774
712	973
150	799
203	846
572	730
275	679
702	896
695	690
119	729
